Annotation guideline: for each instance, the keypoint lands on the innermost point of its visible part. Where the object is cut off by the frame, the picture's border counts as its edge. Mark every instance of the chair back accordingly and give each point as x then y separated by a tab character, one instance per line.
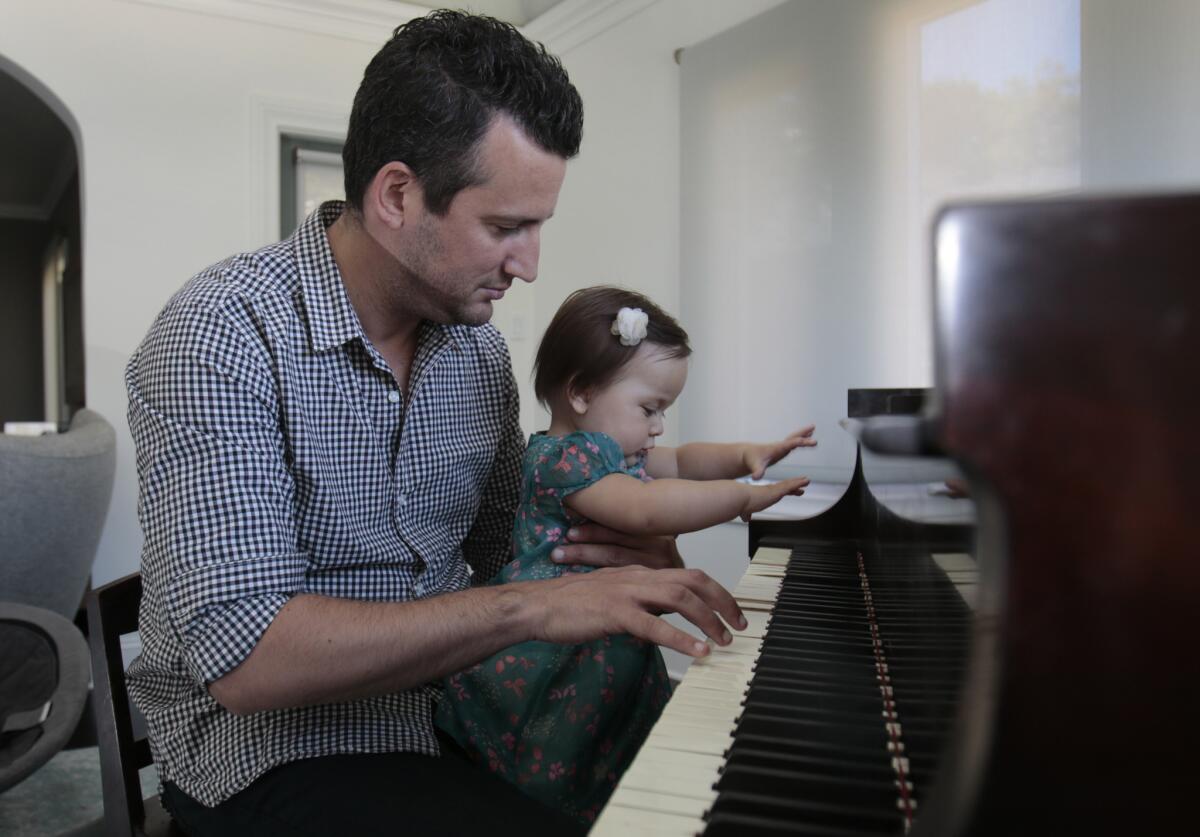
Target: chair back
43	687
54	496
112	613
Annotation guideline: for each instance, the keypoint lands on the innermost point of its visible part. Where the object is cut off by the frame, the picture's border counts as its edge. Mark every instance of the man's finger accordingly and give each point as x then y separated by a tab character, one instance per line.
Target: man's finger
709	596
653	629
595	533
593	555
677	598
599	546
693	594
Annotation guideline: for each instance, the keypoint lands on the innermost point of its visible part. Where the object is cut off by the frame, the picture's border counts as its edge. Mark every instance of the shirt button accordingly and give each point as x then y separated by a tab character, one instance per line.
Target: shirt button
394	397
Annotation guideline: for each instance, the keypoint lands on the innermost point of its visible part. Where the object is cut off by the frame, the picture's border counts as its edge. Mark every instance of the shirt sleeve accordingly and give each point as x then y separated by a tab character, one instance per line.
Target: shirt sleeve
488	546
215	496
577	461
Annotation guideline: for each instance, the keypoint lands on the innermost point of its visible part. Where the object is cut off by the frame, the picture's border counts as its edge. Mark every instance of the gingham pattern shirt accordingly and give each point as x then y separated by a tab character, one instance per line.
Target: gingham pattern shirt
276	455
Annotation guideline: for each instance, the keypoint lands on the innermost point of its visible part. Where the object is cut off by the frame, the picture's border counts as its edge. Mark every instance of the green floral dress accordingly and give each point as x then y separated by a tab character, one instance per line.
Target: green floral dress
562	722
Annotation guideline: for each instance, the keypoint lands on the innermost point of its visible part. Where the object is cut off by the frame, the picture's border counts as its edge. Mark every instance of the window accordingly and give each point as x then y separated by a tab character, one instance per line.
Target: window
310	173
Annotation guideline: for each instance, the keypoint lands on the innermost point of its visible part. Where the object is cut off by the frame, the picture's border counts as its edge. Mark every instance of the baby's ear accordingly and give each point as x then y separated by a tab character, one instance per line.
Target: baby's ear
578	398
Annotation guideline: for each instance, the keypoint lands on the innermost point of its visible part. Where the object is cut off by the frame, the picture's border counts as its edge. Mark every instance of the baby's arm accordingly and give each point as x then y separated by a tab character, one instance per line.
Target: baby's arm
715	461
674	506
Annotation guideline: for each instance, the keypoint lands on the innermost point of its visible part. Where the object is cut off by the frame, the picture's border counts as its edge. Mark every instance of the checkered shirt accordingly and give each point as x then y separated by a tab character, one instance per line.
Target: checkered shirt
276	455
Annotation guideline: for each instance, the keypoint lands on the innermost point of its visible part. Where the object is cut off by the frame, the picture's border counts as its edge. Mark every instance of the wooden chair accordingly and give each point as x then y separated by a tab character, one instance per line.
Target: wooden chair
112	613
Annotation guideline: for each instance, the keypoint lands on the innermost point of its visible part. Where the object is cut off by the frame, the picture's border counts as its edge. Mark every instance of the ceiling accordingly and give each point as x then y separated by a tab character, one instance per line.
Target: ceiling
517	12
35	161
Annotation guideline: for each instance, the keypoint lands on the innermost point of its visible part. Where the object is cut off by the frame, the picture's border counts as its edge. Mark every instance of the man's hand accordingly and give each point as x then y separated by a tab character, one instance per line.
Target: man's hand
578	607
757	458
593	545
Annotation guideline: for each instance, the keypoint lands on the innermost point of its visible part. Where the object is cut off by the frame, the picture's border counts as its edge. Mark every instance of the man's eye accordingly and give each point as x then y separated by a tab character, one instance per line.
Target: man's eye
503	230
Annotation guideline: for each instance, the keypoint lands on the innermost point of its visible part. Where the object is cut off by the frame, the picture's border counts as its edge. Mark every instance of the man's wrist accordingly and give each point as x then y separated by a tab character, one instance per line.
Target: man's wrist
519	613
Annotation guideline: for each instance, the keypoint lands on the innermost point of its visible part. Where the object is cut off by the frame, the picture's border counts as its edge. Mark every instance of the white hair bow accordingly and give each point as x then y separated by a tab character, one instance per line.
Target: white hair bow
630	326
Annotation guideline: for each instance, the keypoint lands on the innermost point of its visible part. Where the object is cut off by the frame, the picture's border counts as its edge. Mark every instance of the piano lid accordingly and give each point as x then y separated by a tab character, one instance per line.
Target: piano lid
1068	350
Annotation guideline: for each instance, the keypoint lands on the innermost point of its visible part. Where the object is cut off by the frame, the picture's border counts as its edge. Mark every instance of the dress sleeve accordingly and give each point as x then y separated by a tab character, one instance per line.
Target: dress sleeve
220	555
577	461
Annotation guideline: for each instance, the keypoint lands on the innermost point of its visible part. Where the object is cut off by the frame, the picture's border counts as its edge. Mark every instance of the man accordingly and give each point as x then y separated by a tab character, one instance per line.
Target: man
328	448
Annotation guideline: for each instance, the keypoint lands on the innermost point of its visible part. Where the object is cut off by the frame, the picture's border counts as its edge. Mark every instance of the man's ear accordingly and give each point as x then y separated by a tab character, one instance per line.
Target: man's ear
393	195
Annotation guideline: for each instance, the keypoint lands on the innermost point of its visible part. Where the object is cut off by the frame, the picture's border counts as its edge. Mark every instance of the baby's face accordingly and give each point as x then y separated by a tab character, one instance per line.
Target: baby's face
631	408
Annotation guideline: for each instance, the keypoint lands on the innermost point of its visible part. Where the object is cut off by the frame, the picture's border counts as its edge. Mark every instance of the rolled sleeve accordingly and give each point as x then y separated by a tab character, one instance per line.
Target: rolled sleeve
216	502
219	633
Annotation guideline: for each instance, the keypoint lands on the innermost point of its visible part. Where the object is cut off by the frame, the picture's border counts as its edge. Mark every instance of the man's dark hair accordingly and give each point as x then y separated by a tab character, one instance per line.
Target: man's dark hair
579	349
429	95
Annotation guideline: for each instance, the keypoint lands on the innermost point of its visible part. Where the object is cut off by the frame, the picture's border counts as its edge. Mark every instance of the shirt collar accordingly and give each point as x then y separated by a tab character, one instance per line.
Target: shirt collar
332	320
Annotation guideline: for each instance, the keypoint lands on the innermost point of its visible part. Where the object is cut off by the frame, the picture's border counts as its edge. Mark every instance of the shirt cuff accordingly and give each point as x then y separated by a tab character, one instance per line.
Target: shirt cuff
221	611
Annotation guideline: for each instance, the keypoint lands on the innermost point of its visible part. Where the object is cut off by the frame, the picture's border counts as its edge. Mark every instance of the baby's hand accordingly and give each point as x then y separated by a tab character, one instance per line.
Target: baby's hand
757	458
759	497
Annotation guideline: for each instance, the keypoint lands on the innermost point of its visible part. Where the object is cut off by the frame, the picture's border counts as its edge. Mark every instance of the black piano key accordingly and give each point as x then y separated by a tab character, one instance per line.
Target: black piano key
811	752
766	693
840	751
740	825
841	764
879	794
810	812
862	735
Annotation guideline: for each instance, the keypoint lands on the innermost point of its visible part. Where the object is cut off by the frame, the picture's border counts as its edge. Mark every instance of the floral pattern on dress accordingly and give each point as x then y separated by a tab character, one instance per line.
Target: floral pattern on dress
562	722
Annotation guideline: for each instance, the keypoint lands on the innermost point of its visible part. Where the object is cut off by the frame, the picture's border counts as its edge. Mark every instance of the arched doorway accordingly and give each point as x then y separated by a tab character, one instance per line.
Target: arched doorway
41	254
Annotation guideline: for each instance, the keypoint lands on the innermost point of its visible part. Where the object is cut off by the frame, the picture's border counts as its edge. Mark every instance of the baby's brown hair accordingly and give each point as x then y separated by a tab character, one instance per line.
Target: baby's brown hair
579	349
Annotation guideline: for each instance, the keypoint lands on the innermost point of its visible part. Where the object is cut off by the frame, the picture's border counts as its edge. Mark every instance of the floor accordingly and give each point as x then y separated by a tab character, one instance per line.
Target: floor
62	795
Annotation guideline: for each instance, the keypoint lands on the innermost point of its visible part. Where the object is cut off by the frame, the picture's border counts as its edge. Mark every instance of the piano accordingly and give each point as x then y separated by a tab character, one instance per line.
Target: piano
1031	675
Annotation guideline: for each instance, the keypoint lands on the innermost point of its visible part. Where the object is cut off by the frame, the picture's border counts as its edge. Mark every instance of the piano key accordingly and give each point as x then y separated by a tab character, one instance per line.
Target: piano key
802	722
716	681
963	572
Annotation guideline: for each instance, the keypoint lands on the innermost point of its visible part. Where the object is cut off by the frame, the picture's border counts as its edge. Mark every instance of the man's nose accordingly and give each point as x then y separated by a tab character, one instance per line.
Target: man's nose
522	261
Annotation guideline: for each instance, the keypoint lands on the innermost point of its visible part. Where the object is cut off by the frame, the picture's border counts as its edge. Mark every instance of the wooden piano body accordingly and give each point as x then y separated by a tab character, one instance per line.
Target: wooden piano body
1068	354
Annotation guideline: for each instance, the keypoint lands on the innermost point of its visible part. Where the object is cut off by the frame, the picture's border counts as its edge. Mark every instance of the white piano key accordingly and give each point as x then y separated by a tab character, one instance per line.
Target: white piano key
697	725
681	779
622	821
667	803
963	572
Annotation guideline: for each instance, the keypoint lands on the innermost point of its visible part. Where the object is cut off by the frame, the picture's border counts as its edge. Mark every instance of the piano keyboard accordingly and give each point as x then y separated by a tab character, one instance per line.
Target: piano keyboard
807	729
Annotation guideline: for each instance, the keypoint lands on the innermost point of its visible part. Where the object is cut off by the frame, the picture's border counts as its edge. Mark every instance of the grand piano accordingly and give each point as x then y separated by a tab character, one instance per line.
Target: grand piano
1033	674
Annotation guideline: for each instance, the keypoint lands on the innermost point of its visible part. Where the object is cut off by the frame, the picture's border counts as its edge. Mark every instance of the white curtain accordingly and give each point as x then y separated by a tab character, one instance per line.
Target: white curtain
817	141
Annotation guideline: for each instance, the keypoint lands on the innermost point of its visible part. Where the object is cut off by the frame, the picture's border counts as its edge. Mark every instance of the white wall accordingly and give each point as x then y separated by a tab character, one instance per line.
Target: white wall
176	109
173	107
618	215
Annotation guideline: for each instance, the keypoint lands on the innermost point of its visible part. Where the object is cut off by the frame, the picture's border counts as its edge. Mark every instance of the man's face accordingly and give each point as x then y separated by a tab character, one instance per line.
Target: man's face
459	263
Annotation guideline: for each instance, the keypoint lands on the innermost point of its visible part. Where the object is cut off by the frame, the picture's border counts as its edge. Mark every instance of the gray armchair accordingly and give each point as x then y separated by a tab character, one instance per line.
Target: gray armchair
54	496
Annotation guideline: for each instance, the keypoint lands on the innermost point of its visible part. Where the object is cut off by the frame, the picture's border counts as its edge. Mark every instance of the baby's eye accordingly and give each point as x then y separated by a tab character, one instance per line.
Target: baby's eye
649	411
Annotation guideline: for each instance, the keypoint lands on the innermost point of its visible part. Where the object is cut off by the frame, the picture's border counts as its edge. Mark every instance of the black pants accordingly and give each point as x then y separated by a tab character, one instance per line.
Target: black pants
372	794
